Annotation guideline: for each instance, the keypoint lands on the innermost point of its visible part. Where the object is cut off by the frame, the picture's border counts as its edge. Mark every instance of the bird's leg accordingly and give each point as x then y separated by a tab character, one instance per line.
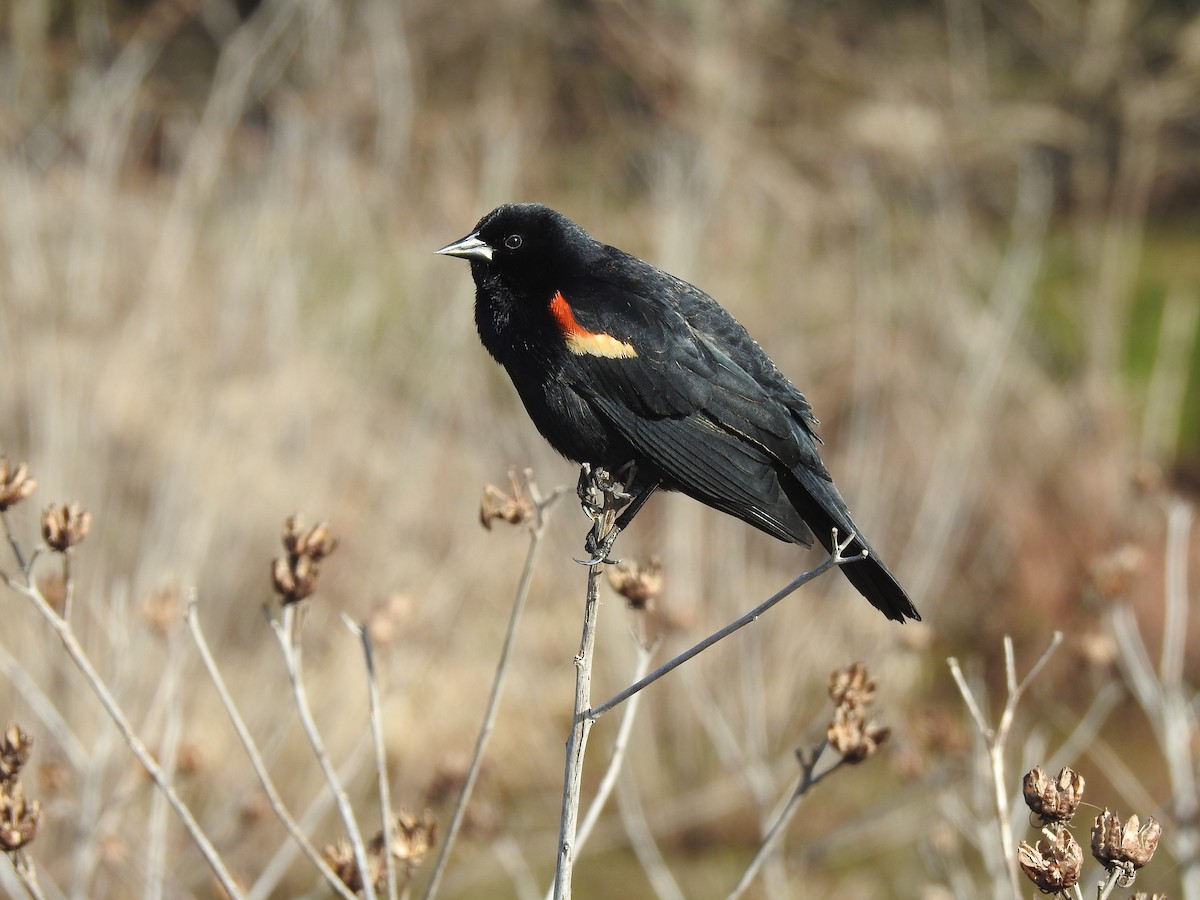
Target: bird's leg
643	494
603	496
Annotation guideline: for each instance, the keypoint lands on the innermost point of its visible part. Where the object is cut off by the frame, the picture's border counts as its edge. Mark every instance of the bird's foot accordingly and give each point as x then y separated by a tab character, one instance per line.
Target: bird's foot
598	547
602	496
600	491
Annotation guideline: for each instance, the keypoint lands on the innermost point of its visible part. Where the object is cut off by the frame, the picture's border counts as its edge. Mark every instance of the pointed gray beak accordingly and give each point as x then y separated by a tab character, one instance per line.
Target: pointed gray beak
470	247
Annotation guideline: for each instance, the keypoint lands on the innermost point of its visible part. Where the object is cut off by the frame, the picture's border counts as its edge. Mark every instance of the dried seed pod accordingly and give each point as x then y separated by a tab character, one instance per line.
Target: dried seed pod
640	585
14	751
412	837
1129	845
65	526
852	686
1053	866
1053	801
515	508
315	543
340	857
295	576
852	736
15	483
319	542
18	817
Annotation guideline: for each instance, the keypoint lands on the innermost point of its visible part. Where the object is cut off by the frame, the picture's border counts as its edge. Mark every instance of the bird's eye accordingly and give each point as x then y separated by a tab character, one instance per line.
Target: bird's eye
513	241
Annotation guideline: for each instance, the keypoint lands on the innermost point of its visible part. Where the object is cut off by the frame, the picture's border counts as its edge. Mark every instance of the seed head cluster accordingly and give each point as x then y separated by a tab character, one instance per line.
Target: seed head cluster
15	483
295	574
18	816
64	525
1053	800
1128	845
515	507
1054	865
640	585
412	839
851	733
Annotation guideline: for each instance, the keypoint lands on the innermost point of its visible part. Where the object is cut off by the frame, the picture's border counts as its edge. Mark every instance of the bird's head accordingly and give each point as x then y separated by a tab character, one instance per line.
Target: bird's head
524	247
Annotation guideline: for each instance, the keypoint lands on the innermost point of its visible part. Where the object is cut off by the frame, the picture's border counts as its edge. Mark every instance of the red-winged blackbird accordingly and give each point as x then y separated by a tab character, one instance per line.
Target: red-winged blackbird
619	363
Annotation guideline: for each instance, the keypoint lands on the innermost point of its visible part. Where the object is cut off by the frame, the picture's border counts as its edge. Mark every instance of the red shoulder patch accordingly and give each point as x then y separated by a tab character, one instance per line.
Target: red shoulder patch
582	342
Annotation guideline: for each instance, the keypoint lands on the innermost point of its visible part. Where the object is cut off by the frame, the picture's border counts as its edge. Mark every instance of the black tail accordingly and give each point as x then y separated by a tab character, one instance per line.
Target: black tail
822	507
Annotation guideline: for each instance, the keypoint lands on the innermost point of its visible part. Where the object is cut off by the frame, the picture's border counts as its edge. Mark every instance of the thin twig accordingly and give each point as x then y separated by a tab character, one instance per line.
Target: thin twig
577	741
615	762
1175	612
40	704
279	865
22	564
996	739
288	633
1162	693
81	660
641	839
508	853
1105	888
192	619
808	780
376	716
1179	718
602	497
69	585
1089	724
620	745
836	559
22	864
542	507
154	853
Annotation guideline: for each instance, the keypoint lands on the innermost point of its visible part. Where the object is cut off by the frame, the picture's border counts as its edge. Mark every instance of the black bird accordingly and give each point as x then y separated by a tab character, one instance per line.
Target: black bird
620	363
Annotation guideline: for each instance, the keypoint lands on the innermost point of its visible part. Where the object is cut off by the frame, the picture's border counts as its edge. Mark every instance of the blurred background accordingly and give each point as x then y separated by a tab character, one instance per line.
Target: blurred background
969	231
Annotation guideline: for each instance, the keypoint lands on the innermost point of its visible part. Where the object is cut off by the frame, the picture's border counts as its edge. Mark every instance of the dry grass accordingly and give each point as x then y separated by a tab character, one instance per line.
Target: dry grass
218	305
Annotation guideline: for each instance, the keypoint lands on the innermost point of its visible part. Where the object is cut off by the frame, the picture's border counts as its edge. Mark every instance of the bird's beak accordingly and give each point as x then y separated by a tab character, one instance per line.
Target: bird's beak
470	247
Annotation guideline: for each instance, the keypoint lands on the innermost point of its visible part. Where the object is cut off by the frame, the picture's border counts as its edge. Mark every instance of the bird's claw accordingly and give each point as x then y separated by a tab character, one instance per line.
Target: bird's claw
598	548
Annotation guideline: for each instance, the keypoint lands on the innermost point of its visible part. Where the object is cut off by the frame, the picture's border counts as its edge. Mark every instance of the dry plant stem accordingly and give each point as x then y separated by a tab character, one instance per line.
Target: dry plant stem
1164	695
69	592
641	839
1105	888
252	751
542	507
385	791
577	741
76	652
620	745
996	739
279	863
43	707
158	830
604	519
807	780
16	547
23	865
287	631
584	716
737	624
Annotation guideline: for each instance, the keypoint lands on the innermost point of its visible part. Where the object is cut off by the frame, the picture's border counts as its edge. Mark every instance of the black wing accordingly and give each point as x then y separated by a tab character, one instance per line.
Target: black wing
693	411
704	404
